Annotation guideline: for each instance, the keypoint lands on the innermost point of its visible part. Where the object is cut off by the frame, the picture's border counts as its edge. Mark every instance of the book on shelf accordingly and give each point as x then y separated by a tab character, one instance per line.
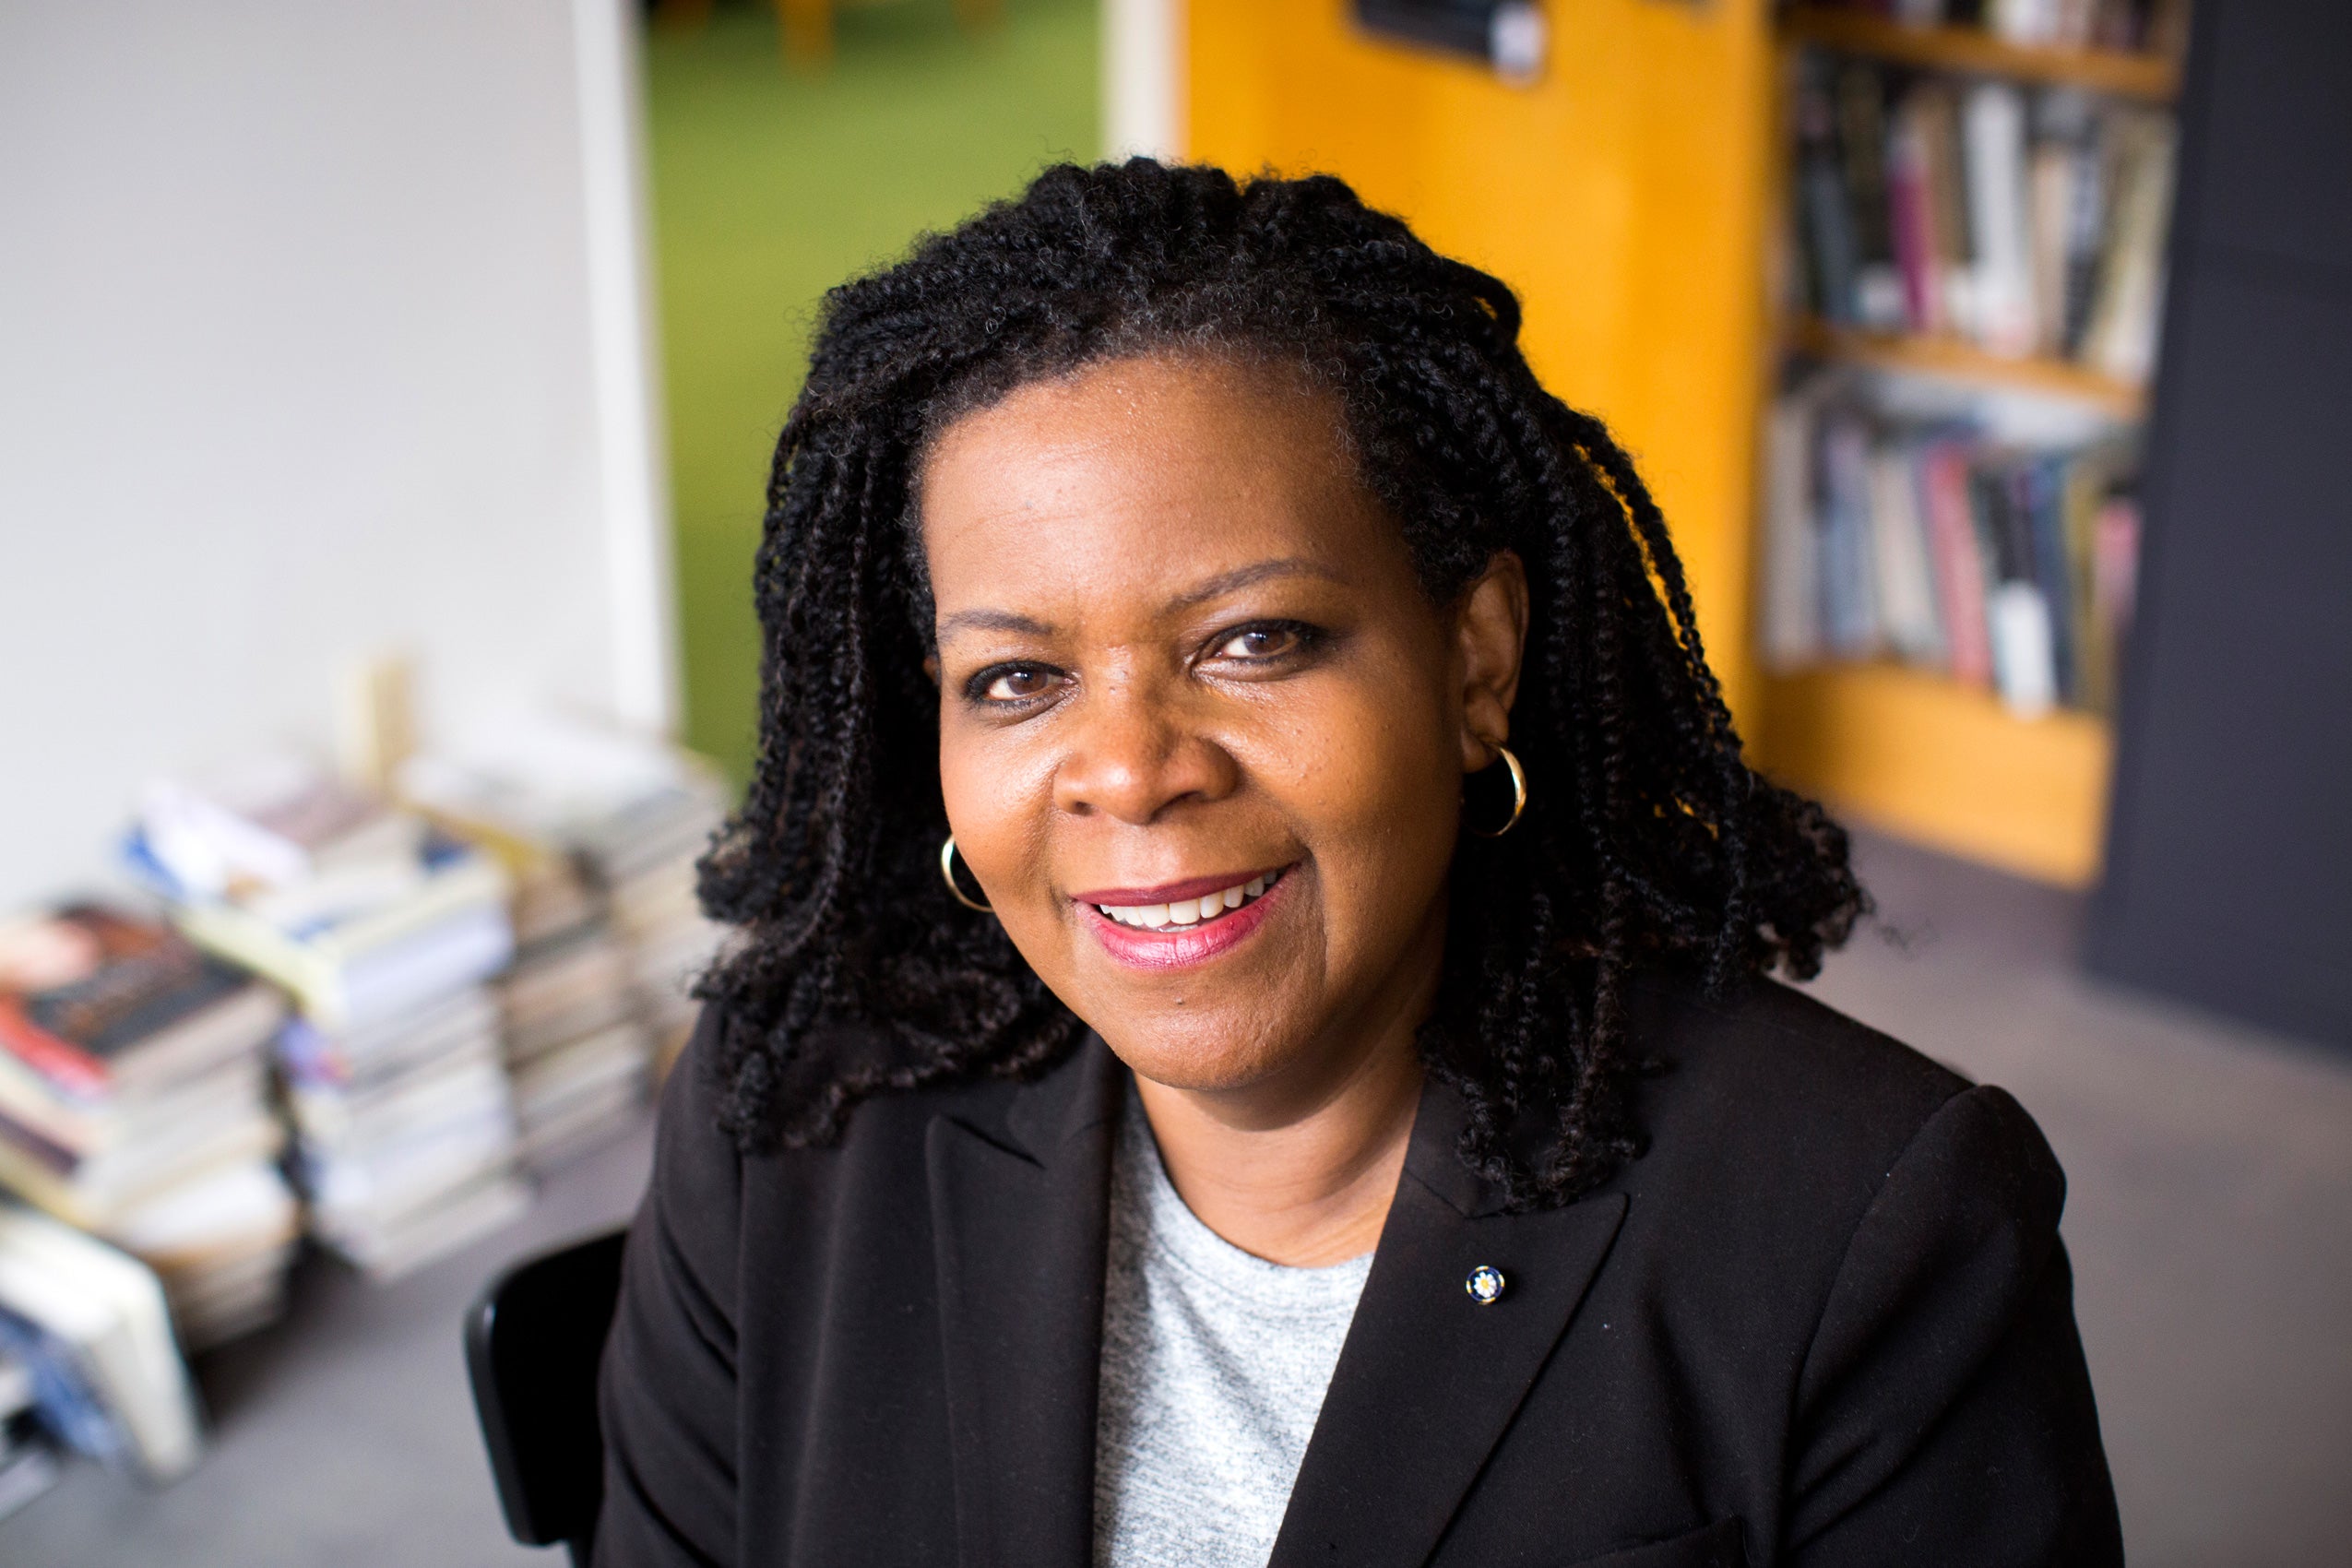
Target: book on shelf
134	1103
2156	26
1991	539
91	1327
2021	221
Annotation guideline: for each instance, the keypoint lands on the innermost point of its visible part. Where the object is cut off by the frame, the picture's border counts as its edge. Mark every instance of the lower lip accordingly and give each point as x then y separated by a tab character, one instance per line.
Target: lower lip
1187	946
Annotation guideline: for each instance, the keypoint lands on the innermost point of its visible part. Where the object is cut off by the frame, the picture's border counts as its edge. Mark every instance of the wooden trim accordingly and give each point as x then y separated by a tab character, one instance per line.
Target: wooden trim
1945	765
1959	360
1978	52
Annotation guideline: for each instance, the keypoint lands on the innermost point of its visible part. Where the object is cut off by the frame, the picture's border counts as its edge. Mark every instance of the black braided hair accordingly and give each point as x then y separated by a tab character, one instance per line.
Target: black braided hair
1647	841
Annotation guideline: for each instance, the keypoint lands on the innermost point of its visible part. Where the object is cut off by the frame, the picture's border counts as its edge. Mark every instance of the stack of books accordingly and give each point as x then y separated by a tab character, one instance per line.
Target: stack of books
2025	221
602	829
646	861
579	1053
87	1328
385	932
1991	539
134	1103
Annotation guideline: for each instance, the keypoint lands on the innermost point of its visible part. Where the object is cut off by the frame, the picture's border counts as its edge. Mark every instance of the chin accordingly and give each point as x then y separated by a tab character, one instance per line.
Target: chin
1209	1053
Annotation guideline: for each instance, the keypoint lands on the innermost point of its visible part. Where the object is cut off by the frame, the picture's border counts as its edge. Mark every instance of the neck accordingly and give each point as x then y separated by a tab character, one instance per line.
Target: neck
1309	1186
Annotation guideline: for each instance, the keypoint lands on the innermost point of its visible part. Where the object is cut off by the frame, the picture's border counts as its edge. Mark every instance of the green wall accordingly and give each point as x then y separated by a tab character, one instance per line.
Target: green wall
770	185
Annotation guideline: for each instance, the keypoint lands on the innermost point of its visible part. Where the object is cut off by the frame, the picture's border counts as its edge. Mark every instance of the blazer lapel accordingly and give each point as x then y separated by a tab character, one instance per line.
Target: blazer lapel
1020	1219
1429	1378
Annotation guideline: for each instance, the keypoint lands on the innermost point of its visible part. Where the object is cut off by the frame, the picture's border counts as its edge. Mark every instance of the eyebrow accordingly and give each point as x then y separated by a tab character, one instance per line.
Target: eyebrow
1249	577
994	621
1215	587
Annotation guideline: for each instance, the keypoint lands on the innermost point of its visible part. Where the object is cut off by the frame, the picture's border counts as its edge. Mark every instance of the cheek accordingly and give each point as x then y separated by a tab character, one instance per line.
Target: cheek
1372	782
999	796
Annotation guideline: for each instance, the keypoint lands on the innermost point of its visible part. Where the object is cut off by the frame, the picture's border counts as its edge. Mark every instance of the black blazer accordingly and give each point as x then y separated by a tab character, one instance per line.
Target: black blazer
1825	1320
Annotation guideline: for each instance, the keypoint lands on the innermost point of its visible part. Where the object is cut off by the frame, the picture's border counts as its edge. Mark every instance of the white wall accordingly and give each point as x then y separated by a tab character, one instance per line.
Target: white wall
1143	78
320	333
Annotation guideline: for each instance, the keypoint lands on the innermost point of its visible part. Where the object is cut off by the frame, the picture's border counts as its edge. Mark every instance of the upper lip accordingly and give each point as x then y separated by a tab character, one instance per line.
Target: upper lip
1169	892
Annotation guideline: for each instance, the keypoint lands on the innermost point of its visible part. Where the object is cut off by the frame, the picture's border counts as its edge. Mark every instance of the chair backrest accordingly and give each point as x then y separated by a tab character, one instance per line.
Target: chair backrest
533	1339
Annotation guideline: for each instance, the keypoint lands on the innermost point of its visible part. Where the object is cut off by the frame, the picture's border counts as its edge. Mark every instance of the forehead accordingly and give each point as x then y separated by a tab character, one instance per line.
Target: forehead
1140	475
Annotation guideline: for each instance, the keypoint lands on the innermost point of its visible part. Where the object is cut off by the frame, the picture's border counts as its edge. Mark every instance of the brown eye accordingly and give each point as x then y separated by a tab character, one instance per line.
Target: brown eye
1017	683
1260	642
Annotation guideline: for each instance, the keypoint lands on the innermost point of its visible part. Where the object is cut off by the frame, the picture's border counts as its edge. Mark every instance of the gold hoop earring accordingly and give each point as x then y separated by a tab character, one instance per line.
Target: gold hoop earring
1518	796
947	870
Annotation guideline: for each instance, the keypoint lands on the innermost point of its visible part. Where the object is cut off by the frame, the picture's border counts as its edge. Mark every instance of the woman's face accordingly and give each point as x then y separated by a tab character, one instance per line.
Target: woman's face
1202	735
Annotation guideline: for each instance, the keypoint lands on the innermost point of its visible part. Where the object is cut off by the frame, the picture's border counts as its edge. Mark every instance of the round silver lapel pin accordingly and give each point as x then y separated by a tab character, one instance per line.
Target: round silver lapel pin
1485	1285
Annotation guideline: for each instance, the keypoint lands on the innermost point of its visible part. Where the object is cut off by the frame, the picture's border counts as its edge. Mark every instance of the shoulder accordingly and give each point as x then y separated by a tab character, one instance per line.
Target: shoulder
1783	1122
700	1162
1767	1051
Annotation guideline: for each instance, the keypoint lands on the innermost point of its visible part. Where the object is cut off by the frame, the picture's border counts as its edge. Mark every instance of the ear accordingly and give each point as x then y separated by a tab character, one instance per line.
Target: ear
931	667
1491	640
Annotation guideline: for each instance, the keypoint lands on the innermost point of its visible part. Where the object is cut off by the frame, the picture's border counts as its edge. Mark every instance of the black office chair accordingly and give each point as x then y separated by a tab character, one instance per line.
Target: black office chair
533	1339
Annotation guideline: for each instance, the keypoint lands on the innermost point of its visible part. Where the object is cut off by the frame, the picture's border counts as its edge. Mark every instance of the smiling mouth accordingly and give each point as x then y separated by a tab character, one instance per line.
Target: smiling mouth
1191	914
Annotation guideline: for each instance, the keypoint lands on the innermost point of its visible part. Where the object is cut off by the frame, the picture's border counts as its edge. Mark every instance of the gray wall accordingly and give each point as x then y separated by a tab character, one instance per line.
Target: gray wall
2229	848
299	362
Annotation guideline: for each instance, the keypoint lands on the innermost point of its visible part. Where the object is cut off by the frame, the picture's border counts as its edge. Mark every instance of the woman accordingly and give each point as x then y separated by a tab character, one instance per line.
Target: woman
1331	1108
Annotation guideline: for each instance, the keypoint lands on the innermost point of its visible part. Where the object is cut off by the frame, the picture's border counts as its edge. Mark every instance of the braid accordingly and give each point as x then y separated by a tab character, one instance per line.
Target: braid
1647	841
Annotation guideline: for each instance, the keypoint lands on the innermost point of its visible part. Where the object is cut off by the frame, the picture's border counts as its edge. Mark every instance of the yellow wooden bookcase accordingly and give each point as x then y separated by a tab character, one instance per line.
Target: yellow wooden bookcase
1631	196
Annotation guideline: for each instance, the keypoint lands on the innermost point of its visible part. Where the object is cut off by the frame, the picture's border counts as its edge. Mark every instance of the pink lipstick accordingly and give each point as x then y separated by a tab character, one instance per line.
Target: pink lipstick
1178	924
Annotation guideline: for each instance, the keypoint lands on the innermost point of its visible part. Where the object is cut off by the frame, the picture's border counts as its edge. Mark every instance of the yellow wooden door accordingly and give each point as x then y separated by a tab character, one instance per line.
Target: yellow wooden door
1623	195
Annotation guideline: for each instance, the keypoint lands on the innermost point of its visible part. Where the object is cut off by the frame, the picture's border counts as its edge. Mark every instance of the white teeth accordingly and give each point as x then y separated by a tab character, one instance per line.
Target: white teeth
1188	911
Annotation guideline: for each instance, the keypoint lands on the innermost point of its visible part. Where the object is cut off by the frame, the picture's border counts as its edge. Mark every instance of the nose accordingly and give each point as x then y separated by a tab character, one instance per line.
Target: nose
1134	757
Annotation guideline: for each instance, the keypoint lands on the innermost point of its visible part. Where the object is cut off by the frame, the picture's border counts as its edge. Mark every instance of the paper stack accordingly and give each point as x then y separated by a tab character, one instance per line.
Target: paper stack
576	1047
385	932
578	1051
88	1325
644	855
134	1102
601	830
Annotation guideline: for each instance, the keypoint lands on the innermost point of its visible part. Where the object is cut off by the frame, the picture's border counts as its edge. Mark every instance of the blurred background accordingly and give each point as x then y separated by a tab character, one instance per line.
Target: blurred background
388	397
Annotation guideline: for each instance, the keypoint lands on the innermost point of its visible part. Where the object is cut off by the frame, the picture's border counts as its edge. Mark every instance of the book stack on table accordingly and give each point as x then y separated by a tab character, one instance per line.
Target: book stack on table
601	829
647	861
134	1103
385	932
579	1052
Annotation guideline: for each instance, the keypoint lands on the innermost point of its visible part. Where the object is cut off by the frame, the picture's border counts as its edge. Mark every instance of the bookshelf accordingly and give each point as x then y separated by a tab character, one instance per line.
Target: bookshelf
1636	193
1973	51
1946	765
1918	752
1958	360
